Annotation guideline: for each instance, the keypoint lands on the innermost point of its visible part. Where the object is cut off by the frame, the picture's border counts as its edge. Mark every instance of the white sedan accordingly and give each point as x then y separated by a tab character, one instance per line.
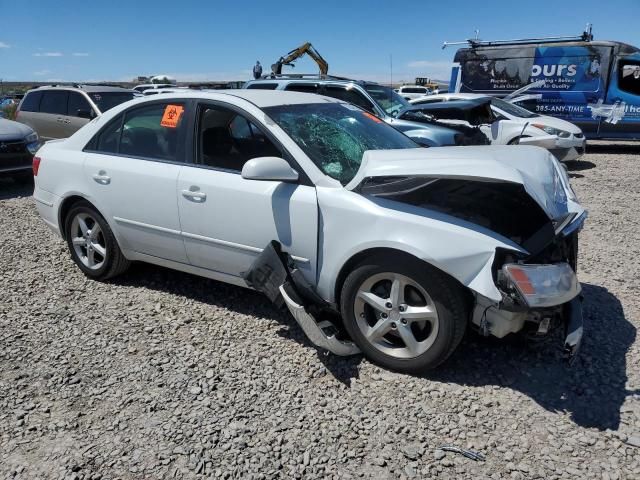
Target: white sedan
512	123
325	208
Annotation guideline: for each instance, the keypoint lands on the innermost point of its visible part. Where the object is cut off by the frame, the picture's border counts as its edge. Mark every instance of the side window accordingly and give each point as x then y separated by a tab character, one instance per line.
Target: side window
31	102
227	140
54	101
109	137
263	86
303	87
77	103
152	131
349	95
629	76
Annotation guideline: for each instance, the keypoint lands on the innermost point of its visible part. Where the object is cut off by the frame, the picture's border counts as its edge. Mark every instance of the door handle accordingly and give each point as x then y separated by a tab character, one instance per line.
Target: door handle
60	120
194	195
102	178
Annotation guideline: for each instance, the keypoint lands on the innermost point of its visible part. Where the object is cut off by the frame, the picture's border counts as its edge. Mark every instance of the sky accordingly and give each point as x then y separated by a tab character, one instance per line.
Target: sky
375	40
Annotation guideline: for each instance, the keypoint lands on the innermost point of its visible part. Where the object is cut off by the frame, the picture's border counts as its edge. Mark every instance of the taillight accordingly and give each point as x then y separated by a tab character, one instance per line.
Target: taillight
36	166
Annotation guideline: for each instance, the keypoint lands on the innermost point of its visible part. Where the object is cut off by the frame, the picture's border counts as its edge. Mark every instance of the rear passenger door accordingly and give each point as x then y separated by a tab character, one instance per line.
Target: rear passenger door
51	122
131	169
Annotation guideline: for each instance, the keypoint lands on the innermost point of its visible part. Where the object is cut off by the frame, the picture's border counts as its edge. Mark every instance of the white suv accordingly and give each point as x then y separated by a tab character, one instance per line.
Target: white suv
409	92
324	207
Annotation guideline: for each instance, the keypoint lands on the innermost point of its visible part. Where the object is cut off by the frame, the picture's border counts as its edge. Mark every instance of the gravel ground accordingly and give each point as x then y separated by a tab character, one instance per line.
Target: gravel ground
159	374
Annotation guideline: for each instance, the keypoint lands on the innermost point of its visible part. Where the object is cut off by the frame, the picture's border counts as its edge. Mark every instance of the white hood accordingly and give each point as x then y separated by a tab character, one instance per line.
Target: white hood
533	167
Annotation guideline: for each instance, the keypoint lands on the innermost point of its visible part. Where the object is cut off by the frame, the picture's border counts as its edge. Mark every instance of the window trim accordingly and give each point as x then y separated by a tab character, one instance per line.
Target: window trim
91	145
303	178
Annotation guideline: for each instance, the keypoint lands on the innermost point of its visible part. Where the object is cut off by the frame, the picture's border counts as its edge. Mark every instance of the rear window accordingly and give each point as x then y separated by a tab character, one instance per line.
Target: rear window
108	100
263	86
31	102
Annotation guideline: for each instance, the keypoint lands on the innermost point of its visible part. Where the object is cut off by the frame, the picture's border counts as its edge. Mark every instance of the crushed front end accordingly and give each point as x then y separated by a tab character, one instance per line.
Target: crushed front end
533	288
540	292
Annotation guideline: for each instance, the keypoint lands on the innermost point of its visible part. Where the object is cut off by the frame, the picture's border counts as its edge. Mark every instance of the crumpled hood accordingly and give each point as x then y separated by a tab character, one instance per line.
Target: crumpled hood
533	167
10	130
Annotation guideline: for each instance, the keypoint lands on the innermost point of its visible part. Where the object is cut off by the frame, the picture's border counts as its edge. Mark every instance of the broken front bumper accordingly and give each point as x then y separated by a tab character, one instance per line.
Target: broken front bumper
573	328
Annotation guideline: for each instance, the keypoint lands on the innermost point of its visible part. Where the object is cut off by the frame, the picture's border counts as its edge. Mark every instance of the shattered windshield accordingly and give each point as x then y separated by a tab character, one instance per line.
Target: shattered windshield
512	109
336	135
386	98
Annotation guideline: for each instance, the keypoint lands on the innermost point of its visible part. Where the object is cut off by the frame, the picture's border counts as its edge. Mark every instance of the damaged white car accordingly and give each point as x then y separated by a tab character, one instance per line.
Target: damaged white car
374	244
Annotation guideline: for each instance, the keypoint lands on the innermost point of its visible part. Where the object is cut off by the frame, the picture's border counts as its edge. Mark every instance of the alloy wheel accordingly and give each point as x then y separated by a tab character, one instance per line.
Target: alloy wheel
396	315
88	241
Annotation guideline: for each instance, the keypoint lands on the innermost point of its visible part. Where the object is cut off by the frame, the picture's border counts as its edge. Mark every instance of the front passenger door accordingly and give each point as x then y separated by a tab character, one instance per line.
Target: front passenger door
227	220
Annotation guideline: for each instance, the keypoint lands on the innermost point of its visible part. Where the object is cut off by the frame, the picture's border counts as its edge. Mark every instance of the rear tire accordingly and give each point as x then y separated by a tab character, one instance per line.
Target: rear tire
91	242
411	331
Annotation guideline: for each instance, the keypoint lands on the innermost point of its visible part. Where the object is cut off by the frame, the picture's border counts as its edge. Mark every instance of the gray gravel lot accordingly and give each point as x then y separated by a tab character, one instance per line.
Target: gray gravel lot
159	374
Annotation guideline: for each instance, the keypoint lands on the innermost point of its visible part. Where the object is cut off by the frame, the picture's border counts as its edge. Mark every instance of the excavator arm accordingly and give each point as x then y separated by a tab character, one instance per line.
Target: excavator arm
293	55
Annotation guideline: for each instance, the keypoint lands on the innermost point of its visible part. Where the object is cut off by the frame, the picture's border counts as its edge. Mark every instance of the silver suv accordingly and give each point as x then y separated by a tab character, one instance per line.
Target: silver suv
378	100
58	111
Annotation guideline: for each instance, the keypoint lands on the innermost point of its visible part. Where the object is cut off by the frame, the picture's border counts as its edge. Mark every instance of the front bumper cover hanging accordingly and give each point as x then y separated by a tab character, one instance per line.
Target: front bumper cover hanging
274	274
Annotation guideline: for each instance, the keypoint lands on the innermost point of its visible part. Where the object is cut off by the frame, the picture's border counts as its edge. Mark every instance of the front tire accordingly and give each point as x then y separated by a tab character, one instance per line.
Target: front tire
403	314
92	244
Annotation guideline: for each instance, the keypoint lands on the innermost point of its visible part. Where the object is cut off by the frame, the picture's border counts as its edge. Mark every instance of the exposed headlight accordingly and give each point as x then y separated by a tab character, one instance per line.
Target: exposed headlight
543	285
32	137
552	131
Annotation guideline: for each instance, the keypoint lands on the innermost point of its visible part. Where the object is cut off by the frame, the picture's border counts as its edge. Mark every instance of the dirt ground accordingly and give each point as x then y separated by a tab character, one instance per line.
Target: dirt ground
159	374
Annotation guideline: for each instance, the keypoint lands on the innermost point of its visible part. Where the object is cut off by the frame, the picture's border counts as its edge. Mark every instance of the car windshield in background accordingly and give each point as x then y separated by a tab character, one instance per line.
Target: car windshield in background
107	100
336	135
512	109
387	99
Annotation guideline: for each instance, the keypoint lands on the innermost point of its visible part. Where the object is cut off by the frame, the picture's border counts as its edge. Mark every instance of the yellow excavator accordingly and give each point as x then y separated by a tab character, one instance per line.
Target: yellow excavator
296	53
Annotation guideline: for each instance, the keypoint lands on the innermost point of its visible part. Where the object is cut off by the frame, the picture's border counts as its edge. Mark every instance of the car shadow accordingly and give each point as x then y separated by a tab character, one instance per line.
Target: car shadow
10	188
579	165
613	148
592	390
237	299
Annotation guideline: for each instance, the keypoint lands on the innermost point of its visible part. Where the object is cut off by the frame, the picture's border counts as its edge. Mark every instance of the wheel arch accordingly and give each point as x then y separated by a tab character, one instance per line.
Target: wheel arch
359	257
67	204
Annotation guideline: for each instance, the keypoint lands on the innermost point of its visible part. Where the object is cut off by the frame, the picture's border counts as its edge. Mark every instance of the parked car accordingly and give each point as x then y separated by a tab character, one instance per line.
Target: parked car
326	208
18	143
510	124
152	86
59	111
373	98
409	92
591	83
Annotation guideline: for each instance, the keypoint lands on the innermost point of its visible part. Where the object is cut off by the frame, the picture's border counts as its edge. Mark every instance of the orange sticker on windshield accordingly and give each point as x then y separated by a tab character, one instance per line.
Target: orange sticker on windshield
372	117
171	116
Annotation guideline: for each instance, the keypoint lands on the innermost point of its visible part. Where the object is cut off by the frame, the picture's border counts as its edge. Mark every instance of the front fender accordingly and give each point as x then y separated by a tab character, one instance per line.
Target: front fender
352	223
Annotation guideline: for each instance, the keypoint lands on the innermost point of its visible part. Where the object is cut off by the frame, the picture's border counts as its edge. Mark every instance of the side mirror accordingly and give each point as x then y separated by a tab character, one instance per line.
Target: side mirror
269	168
83	113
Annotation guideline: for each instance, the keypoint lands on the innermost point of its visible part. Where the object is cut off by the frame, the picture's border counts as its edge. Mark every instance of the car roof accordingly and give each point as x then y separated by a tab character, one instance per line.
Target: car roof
462	104
260	98
83	88
294	78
